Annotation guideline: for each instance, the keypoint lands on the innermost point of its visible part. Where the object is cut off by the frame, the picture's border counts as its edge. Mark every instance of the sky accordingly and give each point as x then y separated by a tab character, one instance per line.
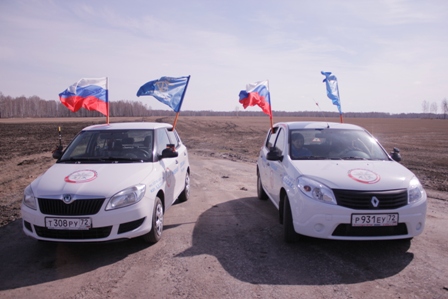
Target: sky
388	56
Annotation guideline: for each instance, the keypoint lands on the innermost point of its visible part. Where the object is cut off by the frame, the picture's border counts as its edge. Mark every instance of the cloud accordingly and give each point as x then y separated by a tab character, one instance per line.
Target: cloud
376	49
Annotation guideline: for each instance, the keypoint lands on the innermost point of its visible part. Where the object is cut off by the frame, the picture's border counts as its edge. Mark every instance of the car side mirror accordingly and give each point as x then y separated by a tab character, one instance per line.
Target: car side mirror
274	155
57	153
396	154
169	153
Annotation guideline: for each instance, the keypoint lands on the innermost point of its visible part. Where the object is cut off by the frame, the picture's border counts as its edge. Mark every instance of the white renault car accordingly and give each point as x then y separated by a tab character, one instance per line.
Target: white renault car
335	181
113	181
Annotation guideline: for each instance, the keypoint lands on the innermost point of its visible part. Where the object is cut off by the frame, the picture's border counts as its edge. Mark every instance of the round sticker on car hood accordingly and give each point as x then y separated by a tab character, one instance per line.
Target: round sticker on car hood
81	176
364	176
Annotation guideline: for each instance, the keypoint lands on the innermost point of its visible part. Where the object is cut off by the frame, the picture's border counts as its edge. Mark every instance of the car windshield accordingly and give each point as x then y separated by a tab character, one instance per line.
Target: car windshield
337	144
106	146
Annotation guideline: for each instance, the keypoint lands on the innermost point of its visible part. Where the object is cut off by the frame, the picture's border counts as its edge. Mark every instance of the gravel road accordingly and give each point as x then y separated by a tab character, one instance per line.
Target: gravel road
225	243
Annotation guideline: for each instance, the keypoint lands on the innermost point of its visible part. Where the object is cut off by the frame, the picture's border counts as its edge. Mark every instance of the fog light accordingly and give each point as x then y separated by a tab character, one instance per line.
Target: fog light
319	227
419	226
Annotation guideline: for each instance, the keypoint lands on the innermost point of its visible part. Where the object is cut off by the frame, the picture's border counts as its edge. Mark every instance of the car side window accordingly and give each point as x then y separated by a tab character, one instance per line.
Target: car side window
271	139
280	142
162	140
174	138
276	140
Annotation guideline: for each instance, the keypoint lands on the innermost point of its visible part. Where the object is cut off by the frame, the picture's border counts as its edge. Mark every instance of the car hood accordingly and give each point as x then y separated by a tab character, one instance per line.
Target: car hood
92	180
356	175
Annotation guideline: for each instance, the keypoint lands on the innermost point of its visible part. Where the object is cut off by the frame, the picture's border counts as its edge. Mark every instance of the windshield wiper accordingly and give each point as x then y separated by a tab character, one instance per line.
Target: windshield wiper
102	159
81	159
353	158
312	158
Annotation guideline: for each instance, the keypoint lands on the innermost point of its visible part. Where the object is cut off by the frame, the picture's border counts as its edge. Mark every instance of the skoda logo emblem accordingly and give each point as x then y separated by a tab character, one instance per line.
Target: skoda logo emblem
67	198
375	202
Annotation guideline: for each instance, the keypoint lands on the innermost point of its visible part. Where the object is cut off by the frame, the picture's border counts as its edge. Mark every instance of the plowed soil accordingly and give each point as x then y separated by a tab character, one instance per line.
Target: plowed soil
223	242
26	146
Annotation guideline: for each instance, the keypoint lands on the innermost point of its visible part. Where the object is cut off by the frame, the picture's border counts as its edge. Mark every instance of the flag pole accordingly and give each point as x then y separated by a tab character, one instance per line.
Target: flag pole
181	102
107	99
270	109
175	120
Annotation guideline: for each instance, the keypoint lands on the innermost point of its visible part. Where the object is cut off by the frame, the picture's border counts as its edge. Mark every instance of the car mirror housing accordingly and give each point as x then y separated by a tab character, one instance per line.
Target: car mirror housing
169	153
57	153
274	155
396	154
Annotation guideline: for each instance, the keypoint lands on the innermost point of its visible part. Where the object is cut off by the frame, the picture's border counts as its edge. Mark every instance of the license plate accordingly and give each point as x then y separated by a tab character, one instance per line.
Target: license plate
375	219
68	223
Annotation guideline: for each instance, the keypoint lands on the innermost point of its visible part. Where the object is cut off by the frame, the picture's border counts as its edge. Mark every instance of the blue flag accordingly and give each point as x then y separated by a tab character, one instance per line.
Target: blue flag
332	89
167	90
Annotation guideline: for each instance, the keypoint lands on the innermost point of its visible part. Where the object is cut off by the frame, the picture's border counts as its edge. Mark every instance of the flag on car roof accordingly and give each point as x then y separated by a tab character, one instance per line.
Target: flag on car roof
167	90
87	93
332	89
257	94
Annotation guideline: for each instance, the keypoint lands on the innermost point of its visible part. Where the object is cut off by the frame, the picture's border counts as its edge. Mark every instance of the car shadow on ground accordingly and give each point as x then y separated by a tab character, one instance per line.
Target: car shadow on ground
25	261
247	239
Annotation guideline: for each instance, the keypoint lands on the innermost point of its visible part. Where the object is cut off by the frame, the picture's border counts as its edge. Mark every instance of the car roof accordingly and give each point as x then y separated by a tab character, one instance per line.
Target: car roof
128	125
318	125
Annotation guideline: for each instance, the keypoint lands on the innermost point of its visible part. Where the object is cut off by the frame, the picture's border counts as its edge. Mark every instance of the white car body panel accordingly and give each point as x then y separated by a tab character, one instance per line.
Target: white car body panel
319	219
86	180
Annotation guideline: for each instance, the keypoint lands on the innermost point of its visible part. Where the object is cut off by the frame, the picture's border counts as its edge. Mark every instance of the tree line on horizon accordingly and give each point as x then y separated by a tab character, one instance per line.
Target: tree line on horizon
35	107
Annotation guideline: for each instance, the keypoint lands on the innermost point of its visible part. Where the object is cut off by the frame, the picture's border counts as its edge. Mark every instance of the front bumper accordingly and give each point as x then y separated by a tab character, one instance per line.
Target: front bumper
326	221
124	223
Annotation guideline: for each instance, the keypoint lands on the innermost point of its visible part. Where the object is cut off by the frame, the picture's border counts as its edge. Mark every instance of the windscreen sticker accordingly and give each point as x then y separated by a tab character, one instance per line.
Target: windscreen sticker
81	176
364	176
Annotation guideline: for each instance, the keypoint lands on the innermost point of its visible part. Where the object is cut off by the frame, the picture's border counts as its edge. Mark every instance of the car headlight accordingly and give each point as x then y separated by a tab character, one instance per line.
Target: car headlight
415	190
315	190
28	198
126	197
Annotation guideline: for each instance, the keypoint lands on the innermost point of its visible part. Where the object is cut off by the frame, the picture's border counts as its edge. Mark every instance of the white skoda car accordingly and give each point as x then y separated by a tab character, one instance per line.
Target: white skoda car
335	181
113	181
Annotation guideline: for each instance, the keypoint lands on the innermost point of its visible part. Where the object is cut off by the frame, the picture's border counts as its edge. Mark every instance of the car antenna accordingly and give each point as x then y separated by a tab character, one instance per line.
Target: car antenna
58	147
317	104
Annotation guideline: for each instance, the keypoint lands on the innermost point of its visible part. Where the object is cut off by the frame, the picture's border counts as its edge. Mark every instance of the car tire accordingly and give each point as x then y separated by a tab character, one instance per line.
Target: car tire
290	235
260	191
157	223
185	194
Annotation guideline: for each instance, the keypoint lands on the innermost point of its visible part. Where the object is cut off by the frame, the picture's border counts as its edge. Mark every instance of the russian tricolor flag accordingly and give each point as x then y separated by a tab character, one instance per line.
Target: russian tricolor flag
257	94
90	94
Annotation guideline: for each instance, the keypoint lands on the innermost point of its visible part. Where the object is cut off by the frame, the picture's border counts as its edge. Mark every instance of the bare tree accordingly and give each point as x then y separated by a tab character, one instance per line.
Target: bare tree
444	107
433	109
425	107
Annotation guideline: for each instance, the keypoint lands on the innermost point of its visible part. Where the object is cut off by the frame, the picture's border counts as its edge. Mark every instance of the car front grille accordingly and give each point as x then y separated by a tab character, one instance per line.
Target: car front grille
346	230
364	200
93	233
75	208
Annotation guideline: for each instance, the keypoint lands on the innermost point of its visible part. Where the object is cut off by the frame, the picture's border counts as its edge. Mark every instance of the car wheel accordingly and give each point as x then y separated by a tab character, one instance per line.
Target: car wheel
260	191
185	195
157	223
290	235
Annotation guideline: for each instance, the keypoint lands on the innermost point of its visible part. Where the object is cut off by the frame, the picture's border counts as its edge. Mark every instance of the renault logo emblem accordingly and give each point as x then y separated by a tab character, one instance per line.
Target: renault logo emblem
67	198
375	202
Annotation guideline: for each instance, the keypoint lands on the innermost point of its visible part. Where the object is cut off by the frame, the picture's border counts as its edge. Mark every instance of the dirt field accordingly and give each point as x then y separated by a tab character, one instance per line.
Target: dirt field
223	242
26	144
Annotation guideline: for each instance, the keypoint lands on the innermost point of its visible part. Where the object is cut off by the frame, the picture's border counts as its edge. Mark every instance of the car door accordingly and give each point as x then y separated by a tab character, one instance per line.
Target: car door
168	165
275	168
263	165
180	169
